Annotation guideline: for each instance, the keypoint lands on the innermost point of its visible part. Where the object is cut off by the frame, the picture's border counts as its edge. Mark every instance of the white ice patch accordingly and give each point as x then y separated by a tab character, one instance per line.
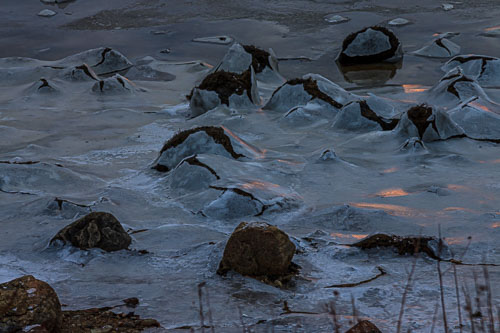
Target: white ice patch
236	60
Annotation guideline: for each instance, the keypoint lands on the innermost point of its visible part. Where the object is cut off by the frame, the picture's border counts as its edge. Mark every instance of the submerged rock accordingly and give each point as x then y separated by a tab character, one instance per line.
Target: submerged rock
261	251
484	69
224	40
310	88
428	124
221	87
199	140
439	48
27	302
115	85
433	247
364	326
370	45
95	230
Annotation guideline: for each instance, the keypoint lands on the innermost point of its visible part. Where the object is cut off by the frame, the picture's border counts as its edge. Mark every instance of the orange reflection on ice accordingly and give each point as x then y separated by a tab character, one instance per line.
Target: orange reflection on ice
493	28
495	225
259	153
459	209
261	185
392	192
481	106
395	210
414	88
355	236
390	170
456	187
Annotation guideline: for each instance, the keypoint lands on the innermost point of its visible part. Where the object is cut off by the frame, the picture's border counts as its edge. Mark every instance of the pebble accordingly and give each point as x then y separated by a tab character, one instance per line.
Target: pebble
47	13
399	21
447	6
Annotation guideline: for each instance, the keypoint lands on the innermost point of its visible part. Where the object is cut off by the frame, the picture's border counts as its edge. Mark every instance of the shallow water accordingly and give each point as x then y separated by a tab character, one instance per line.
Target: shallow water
95	152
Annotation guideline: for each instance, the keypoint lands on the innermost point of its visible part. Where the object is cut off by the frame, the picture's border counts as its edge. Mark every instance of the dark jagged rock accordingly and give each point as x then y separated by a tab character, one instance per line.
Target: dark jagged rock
28	302
260	58
261	251
370	45
407	245
419	116
199	140
95	230
364	326
225	84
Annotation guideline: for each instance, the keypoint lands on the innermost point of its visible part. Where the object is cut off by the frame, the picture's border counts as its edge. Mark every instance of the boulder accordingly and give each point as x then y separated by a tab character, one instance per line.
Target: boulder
259	250
364	326
221	87
199	140
95	230
28	303
370	45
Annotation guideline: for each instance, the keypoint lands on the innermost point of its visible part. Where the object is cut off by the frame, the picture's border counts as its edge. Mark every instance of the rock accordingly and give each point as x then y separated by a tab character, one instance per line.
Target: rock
115	85
398	21
28	302
311	87
47	13
103	60
413	144
447	6
221	87
479	121
199	140
360	116
364	326
407	245
43	87
192	175
439	48
328	155
428	124
370	45
484	69
259	250
95	230
334	18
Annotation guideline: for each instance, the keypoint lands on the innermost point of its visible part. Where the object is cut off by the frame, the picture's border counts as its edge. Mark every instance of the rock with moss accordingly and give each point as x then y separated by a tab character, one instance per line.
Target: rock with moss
28	304
95	230
364	326
261	251
370	45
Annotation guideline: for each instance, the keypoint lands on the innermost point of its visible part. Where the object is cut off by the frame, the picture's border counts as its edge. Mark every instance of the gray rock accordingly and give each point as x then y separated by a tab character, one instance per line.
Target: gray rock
95	230
484	69
47	13
439	48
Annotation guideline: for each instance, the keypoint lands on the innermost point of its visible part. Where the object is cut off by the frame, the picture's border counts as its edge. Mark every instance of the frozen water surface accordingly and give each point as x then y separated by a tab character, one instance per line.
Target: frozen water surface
80	131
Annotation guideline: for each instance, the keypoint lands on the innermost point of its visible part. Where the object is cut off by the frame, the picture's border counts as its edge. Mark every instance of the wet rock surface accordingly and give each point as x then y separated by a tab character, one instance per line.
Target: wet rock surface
95	230
26	302
261	251
370	45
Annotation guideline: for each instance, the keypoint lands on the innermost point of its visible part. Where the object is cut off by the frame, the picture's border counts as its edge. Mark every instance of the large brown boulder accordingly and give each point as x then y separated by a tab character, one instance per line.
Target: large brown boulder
95	230
28	303
261	251
364	326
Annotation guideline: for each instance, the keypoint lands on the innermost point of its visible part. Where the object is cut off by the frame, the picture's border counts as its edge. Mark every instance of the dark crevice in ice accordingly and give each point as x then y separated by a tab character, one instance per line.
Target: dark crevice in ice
419	115
439	42
45	83
368	113
311	87
103	56
355	284
86	70
242	193
451	88
194	161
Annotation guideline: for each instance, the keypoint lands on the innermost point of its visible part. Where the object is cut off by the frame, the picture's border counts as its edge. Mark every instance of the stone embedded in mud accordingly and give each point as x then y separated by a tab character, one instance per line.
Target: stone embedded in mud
484	69
223	87
199	140
259	250
95	230
115	85
310	88
370	45
364	326
439	48
26	302
433	247
428	124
